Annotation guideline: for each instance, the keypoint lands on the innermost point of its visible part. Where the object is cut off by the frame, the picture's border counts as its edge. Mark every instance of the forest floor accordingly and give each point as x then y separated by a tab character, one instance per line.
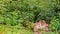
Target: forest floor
18	29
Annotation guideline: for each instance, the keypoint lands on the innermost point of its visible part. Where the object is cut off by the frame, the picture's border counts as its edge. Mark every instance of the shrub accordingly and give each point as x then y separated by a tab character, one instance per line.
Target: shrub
55	24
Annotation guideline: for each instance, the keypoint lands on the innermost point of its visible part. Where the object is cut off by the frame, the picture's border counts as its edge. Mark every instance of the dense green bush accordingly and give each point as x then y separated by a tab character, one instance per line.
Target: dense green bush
15	12
55	24
26	12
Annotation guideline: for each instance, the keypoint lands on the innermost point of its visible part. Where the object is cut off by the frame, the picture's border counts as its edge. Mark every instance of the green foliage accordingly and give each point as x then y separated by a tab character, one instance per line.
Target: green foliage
15	12
18	29
55	24
26	12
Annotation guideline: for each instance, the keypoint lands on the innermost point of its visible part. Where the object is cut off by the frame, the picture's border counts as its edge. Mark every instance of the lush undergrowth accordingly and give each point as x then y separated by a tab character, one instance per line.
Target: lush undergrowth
18	29
26	12
5	29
